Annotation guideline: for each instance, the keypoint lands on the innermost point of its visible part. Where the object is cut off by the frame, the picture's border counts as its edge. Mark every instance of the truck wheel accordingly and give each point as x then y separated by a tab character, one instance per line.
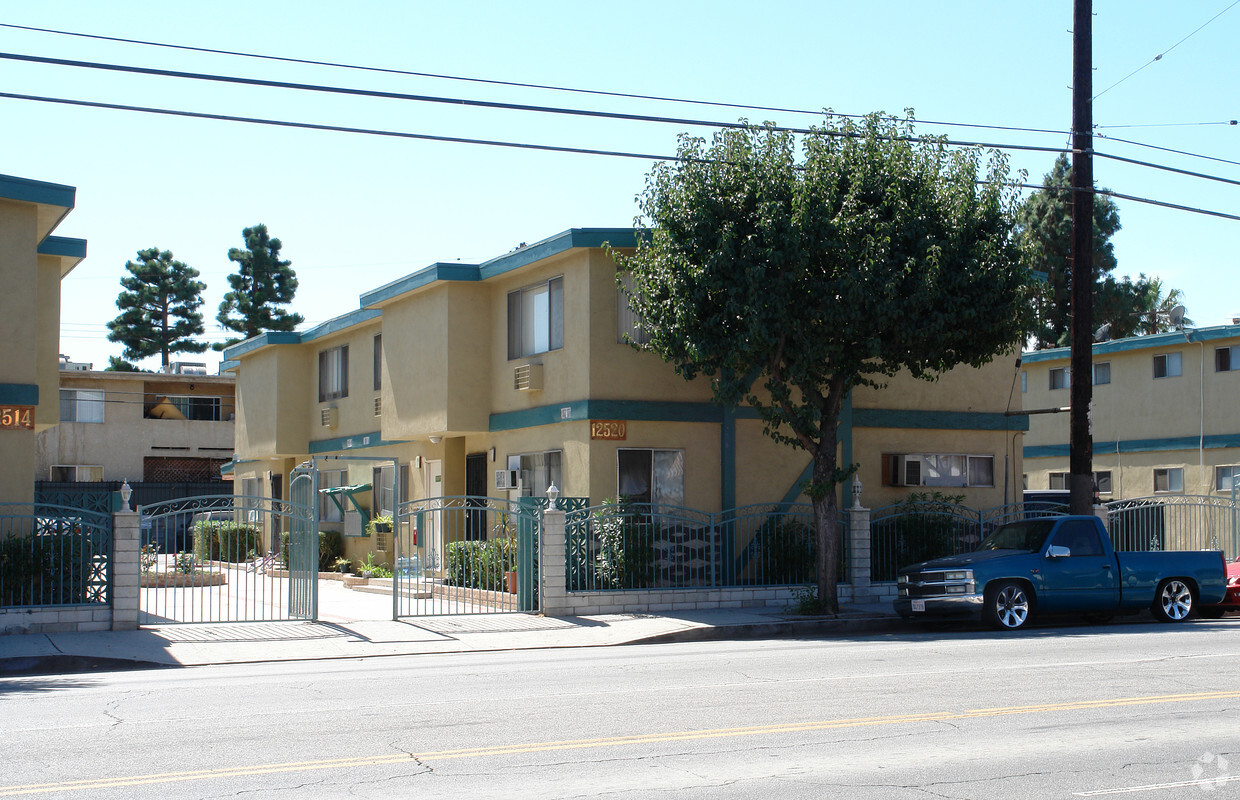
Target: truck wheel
1173	602
1007	606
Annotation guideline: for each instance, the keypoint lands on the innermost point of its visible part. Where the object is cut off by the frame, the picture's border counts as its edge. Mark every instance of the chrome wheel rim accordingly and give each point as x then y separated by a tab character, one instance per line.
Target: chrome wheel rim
1176	599
1012	607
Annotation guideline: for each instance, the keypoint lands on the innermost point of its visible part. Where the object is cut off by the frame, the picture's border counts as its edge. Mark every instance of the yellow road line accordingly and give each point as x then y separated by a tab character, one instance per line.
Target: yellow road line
612	741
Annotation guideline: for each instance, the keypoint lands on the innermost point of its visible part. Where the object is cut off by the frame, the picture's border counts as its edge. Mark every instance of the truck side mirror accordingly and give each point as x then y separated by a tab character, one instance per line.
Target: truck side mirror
1058	551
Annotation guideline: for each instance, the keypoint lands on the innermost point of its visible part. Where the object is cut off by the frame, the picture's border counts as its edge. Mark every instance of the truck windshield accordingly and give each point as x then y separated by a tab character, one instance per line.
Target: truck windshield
1028	535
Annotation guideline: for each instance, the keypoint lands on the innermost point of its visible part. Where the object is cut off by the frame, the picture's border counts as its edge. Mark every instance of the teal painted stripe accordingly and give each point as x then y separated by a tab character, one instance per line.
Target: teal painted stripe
30	191
358	441
631	410
19	394
423	277
1217	441
727	458
799	484
63	246
262	340
939	420
1158	341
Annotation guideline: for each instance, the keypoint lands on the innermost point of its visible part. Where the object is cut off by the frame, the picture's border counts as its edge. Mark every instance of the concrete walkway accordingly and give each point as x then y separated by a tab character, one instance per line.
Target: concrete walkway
359	625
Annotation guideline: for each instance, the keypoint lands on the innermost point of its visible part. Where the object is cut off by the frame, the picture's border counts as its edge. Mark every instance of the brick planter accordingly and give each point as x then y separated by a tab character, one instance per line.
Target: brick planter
181	580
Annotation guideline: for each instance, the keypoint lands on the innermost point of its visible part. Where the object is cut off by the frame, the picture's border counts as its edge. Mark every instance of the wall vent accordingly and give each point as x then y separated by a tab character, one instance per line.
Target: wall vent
378	406
527	378
329	417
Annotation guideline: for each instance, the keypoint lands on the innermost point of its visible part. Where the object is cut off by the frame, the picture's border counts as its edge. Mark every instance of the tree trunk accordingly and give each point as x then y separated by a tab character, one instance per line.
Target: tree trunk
826	520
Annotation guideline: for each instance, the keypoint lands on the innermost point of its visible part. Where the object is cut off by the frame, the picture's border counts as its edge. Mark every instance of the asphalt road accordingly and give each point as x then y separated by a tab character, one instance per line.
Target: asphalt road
1139	710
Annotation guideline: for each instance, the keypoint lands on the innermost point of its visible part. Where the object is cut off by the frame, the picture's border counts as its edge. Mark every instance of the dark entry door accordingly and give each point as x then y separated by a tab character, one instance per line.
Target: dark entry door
476	489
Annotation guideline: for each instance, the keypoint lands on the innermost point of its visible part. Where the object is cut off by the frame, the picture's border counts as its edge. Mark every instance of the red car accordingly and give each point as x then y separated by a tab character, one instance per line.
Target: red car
1232	601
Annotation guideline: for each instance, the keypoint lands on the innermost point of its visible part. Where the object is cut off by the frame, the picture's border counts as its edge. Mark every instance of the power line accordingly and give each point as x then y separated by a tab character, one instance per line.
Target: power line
1171	124
494	82
487	142
1163	53
1176	170
1168	149
490	104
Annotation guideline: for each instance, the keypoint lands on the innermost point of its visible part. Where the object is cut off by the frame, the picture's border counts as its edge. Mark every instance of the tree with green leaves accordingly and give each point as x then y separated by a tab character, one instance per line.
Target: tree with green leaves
118	364
789	282
159	307
262	283
1045	227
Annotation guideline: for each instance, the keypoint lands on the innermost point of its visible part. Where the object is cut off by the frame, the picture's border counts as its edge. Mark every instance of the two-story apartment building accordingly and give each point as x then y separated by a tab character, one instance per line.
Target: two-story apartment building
32	264
1164	414
503	377
174	426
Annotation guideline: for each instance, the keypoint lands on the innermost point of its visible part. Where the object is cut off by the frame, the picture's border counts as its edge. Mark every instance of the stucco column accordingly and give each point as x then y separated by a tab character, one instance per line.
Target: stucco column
1104	514
859	553
126	539
551	558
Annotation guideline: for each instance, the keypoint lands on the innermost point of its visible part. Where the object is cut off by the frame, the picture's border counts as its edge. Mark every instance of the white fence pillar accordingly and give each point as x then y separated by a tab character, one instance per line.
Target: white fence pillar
553	560
126	540
859	553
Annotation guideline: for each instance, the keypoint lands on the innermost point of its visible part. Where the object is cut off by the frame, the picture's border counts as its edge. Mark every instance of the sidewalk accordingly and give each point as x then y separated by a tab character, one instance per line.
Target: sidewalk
354	628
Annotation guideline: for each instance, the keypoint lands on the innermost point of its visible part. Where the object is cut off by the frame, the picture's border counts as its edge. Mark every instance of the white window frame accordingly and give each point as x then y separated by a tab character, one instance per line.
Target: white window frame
78	476
630	328
954	470
183	402
530	473
334	373
86	405
1024	382
1064	376
377	358
1105	366
1226	473
1172	365
536	325
1229	354
1102	477
1172	478
661	495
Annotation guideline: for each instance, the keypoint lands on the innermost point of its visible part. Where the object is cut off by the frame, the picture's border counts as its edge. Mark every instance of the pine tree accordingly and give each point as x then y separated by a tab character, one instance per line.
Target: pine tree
159	307
261	284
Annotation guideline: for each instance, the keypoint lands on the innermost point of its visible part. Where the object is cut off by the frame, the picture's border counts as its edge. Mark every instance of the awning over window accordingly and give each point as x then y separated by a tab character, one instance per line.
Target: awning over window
335	493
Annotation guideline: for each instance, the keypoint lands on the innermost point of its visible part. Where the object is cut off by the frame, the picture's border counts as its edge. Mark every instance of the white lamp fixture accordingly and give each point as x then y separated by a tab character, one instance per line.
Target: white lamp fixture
436	439
856	492
553	493
126	493
492	455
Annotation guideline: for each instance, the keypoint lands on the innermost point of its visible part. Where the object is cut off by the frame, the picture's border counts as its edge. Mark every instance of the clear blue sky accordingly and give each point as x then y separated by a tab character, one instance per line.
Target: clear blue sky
355	212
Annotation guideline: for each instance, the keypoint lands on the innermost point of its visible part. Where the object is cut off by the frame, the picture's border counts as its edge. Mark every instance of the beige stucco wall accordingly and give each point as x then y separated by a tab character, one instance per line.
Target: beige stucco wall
47	341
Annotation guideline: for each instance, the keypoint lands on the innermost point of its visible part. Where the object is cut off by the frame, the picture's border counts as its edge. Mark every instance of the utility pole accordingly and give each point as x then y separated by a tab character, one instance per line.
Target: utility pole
1080	440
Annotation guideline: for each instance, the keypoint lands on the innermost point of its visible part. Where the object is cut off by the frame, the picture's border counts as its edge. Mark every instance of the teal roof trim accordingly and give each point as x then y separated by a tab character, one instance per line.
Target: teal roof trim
63	246
423	277
262	340
340	323
30	191
938	420
19	394
358	441
632	410
1157	341
1218	441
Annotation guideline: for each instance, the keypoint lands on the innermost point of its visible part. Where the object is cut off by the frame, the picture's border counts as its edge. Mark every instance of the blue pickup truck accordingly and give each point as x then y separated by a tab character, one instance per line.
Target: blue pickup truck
1059	565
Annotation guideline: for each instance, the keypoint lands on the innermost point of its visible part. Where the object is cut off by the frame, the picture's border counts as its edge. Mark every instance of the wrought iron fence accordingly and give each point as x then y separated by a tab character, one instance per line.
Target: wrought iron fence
1175	522
53	555
621	545
465	555
909	532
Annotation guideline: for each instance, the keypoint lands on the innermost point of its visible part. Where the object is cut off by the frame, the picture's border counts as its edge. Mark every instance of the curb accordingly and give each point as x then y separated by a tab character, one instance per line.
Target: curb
23	666
775	630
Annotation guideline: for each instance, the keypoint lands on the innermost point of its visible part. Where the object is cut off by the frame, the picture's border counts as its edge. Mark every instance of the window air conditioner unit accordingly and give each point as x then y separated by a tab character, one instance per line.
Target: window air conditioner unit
505	479
527	378
329	417
352	523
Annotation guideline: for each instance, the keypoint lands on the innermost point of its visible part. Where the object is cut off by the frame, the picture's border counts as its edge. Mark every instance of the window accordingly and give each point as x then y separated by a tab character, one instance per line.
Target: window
1226	358
1024	382
334	373
378	365
1102	373
1170	479
381	487
939	469
630	328
65	473
651	476
1166	365
1225	478
536	319
1061	378
252	491
1102	481
81	405
1080	537
537	472
195	407
328	510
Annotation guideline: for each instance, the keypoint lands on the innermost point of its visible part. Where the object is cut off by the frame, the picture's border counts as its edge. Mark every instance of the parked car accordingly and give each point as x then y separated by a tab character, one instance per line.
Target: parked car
1059	565
1232	601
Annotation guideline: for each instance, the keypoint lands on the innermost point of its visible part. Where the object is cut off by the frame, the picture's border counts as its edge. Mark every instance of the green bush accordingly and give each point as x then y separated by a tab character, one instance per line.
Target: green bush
481	564
783	552
331	547
625	558
225	540
46	569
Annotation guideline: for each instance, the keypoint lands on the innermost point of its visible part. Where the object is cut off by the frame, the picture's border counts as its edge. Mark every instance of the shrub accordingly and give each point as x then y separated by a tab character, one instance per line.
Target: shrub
625	558
331	548
46	569
783	552
481	564
225	540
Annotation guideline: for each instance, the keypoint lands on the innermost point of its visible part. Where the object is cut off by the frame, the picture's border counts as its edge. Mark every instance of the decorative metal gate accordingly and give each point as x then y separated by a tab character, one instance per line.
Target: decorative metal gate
1176	522
441	568
221	559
